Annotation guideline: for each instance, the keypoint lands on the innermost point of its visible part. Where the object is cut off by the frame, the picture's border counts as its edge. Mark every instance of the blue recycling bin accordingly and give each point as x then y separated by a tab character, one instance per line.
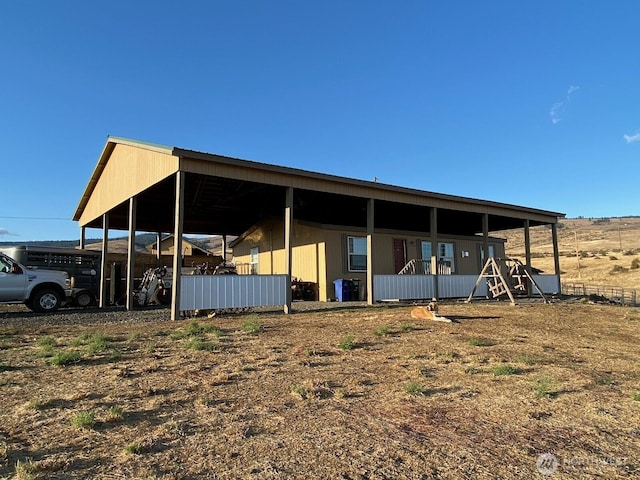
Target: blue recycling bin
343	289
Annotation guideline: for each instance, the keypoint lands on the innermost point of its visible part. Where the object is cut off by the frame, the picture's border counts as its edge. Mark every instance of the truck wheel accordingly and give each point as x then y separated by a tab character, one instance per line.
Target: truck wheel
83	299
46	300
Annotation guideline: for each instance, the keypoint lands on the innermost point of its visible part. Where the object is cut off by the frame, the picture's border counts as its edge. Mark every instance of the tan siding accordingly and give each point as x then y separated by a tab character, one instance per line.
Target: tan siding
319	253
129	171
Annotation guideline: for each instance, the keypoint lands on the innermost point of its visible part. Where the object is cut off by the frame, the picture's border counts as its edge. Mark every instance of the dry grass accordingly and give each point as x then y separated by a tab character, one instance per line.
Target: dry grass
288	402
607	250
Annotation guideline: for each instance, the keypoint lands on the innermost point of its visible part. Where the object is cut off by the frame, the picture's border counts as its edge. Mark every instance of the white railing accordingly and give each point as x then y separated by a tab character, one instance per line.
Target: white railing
203	292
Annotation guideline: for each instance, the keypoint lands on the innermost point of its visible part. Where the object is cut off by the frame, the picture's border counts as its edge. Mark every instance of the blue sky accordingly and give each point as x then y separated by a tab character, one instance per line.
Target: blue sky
533	103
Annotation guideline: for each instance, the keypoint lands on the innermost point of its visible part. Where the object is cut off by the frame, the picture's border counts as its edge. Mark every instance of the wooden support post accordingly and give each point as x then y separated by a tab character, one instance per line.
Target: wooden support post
556	254
433	226
178	228
224	248
131	252
158	247
288	237
82	237
485	236
103	261
370	229
527	254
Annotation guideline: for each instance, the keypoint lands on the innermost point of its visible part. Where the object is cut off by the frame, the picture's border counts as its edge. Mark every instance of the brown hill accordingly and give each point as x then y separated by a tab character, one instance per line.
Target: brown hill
592	251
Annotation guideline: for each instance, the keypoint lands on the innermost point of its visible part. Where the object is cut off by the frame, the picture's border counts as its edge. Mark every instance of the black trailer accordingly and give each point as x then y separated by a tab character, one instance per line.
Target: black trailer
83	267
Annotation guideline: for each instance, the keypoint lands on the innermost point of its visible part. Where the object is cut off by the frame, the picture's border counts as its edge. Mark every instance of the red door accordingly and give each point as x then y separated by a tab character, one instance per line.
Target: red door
399	253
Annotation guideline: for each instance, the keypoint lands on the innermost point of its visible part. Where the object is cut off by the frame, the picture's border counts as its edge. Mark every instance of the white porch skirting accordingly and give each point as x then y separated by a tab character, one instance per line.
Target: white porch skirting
201	292
420	287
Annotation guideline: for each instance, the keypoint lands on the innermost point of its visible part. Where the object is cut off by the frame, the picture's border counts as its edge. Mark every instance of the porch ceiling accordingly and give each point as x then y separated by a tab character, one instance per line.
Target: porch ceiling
216	205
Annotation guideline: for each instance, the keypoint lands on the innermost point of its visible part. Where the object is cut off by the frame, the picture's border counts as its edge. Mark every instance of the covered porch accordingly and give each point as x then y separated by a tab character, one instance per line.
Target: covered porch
138	186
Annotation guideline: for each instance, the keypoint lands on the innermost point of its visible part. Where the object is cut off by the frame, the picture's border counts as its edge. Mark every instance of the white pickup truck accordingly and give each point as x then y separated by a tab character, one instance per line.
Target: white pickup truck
40	290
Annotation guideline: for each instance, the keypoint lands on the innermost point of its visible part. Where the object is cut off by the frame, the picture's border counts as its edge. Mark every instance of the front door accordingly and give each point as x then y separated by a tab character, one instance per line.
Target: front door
399	253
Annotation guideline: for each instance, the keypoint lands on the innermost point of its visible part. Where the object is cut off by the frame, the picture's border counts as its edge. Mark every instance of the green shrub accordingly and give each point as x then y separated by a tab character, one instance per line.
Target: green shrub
382	330
84	420
133	449
252	324
47	342
65	357
635	264
505	369
115	414
301	391
415	388
201	345
545	387
348	342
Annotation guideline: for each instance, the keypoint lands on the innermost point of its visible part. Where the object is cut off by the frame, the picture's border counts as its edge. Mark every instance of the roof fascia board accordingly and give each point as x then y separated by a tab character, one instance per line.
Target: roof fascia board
427	198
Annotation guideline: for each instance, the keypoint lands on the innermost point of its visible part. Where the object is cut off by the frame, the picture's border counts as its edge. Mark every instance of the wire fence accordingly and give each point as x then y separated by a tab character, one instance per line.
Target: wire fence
624	296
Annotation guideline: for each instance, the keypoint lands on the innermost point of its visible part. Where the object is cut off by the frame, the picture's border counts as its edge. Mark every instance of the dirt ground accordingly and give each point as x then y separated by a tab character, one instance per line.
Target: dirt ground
341	393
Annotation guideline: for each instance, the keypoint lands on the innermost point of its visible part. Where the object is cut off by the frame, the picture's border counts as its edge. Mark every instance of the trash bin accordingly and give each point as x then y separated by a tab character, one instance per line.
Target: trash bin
355	289
343	289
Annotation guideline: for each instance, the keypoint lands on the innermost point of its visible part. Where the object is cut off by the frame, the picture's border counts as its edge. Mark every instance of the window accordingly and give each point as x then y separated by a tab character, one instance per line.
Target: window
253	261
491	253
357	254
446	256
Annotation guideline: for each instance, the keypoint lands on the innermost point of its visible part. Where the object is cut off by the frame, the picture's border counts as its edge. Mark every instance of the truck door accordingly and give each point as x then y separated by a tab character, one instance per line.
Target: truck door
13	281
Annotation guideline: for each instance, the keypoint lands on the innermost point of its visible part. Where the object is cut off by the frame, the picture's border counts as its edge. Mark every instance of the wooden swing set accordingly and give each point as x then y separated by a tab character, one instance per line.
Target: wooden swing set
506	276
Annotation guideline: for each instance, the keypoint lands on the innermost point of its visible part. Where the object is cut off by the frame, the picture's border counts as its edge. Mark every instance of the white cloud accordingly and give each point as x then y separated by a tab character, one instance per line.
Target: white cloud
4	231
632	138
558	109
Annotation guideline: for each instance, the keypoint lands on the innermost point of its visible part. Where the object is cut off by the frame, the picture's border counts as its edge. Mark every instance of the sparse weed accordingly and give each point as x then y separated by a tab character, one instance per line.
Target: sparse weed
97	343
115	414
505	369
415	388
134	336
5	366
26	470
252	324
37	403
47	342
84	420
545	387
201	345
310	352
301	391
65	357
472	370
407	327
115	355
603	380
348	342
133	449
481	342
382	330
636	396
635	264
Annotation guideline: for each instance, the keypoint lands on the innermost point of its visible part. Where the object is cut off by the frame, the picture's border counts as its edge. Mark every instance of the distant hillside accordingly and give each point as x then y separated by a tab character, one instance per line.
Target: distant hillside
595	251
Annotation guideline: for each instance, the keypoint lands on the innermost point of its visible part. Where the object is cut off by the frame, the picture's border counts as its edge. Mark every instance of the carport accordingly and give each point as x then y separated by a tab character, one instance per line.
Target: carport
138	186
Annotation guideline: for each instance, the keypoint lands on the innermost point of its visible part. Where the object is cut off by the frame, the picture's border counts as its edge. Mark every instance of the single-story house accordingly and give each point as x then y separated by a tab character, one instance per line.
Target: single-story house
296	223
167	247
324	253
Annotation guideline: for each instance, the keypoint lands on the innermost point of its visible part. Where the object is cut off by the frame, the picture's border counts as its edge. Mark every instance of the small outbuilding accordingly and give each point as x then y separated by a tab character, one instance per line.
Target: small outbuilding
398	242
